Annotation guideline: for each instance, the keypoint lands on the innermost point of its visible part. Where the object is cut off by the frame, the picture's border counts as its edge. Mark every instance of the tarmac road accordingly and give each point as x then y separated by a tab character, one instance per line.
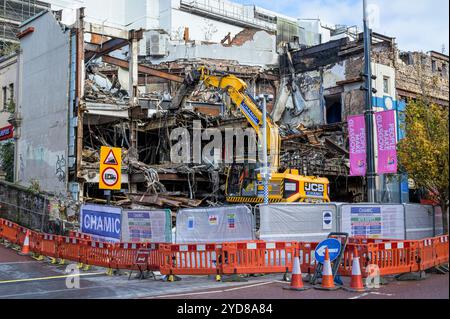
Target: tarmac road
24	278
434	287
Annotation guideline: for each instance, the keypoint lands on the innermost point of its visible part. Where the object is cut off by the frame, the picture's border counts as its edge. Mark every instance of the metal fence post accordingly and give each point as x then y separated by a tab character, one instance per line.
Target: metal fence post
43	214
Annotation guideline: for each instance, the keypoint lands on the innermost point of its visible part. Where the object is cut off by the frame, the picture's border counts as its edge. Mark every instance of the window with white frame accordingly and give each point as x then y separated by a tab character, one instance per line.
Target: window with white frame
386	85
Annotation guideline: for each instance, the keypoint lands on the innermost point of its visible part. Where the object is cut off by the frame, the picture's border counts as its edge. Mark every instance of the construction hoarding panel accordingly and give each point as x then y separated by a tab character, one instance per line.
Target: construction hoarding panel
297	222
438	222
419	221
373	221
102	223
215	225
146	226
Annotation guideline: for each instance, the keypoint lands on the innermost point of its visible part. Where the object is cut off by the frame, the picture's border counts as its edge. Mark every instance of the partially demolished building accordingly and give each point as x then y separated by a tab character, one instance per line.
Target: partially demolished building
88	86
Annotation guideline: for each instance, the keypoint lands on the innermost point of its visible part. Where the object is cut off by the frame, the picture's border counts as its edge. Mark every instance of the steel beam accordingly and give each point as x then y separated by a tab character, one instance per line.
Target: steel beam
105	48
106	31
143	69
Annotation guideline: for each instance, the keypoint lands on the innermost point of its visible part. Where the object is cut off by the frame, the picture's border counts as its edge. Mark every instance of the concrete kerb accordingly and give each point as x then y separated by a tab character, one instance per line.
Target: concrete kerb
412	276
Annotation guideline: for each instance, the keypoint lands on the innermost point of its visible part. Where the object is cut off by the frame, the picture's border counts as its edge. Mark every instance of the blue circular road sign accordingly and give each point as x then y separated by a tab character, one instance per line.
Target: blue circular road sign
334	249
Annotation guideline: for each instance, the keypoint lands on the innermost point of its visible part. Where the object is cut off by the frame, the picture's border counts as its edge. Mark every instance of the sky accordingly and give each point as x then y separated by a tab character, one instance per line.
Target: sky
417	25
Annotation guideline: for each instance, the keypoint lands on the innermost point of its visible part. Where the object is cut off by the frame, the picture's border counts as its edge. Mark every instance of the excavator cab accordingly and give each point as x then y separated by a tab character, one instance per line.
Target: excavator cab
242	180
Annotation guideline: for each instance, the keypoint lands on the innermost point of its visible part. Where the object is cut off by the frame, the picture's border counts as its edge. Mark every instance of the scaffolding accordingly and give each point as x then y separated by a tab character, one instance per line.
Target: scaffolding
12	14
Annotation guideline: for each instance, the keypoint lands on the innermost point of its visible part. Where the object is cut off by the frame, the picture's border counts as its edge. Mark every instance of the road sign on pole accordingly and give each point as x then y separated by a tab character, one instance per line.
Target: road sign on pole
110	168
334	249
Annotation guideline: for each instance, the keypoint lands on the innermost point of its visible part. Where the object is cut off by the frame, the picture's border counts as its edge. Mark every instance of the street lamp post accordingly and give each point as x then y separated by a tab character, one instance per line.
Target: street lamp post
371	173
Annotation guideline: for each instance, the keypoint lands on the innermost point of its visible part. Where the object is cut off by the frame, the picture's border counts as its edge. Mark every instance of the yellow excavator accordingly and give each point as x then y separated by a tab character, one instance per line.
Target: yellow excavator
244	182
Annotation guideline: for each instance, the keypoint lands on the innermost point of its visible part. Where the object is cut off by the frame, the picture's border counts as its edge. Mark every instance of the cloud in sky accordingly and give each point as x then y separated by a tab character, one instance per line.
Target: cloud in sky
418	25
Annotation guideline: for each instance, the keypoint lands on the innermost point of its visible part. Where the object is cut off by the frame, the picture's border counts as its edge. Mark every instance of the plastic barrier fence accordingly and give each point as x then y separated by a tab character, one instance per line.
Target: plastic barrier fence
258	257
394	257
198	259
249	257
48	246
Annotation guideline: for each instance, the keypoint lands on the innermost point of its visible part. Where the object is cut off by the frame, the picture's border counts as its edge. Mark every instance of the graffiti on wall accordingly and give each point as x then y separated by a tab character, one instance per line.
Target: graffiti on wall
61	168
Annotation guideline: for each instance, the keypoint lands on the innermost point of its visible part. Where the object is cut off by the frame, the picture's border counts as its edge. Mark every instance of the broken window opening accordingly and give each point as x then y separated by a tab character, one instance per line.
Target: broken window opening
333	105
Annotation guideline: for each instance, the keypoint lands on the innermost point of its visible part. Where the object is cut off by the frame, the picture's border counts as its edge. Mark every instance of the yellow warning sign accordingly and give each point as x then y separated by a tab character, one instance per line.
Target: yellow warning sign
110	168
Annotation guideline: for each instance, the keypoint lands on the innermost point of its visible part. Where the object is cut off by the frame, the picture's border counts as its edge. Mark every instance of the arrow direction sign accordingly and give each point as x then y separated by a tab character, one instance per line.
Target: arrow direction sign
321	251
334	249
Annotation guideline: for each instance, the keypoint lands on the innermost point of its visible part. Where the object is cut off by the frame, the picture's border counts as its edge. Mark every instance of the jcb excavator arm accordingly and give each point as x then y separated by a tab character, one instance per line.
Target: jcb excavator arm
237	90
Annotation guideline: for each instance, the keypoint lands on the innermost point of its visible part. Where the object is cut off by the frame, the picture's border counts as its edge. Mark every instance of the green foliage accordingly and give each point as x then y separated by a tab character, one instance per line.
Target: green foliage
424	153
7	160
34	187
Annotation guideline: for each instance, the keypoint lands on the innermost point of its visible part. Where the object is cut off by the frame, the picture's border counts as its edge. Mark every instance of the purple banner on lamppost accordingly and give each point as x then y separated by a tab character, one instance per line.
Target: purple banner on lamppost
357	136
387	142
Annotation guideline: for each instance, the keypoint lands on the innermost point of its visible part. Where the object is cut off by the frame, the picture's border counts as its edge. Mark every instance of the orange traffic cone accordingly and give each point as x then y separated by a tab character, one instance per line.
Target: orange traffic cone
296	280
327	275
356	283
26	245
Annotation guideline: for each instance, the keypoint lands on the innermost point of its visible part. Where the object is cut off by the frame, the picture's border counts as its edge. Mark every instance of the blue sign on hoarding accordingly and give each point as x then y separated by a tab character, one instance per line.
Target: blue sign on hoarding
101	221
334	249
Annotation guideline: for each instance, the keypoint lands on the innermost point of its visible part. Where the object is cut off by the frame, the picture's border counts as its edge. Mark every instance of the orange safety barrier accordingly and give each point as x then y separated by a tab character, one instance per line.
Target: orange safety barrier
35	242
75	234
258	257
441	250
155	257
197	259
49	245
394	257
253	257
9	231
98	254
345	268
307	257
1	227
72	249
123	256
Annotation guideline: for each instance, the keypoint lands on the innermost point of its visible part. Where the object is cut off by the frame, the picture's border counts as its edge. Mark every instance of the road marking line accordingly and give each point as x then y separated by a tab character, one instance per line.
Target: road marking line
48	278
250	286
214	291
371	293
381	294
360	296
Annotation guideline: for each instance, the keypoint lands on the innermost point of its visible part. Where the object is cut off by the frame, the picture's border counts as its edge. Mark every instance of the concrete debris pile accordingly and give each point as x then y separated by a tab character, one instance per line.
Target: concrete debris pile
100	89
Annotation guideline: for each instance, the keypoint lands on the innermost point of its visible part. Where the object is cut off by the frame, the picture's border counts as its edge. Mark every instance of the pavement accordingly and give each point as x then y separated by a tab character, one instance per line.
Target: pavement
25	278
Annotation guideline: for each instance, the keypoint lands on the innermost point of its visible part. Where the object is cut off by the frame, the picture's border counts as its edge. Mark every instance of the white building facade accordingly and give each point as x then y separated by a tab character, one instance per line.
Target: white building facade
179	29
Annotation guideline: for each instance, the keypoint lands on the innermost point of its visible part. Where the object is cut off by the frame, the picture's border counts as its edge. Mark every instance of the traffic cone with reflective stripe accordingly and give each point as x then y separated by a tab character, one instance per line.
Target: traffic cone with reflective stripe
296	280
26	245
356	283
327	275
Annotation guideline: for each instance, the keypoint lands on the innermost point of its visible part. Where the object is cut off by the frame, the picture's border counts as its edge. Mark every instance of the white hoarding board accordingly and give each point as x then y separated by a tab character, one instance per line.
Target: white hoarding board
214	225
373	221
146	226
